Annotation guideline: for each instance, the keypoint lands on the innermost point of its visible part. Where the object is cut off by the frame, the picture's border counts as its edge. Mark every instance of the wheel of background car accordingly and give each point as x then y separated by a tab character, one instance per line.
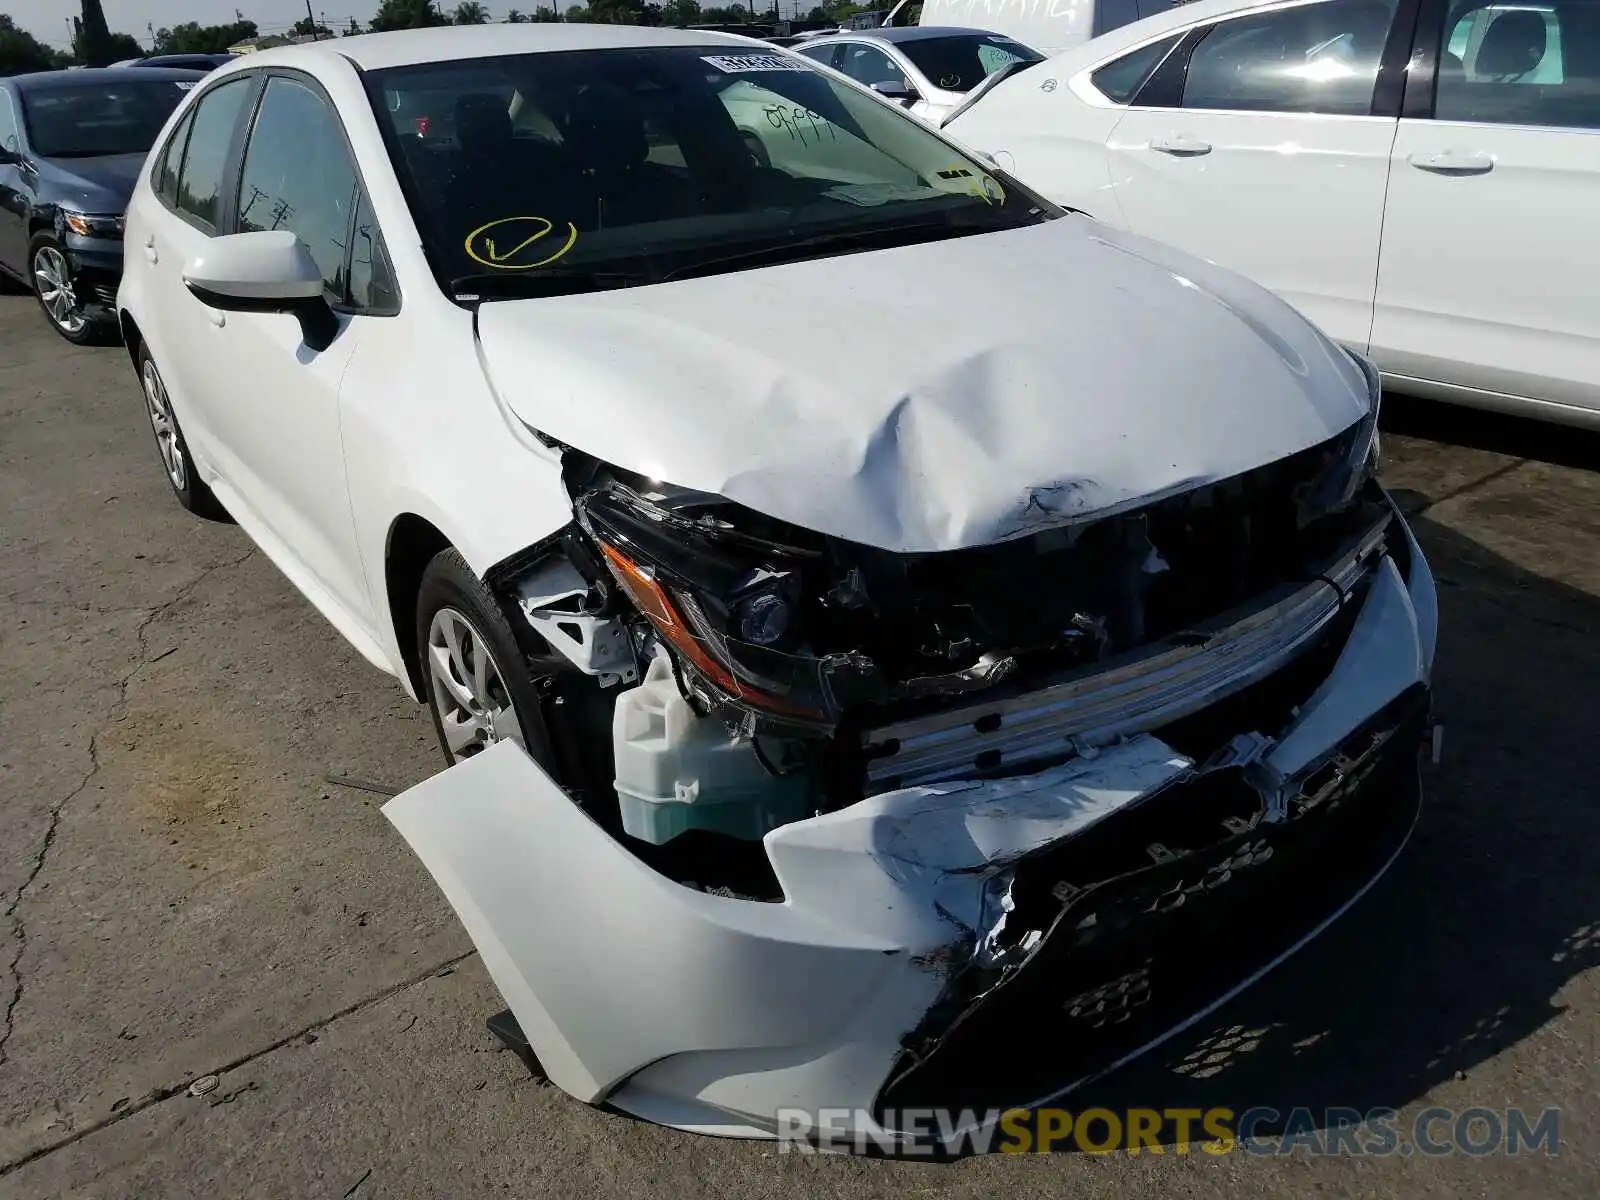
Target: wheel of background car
758	150
478	682
176	461
54	288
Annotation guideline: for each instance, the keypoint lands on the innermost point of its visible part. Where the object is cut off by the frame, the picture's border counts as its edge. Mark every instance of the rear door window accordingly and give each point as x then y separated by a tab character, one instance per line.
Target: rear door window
1521	64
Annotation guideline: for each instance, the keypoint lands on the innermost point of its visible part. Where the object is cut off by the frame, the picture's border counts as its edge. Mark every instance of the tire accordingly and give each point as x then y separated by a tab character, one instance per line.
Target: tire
48	264
176	461
452	596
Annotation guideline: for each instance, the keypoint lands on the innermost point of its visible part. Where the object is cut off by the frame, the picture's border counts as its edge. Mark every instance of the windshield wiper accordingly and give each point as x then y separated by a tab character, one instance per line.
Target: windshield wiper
820	245
543	281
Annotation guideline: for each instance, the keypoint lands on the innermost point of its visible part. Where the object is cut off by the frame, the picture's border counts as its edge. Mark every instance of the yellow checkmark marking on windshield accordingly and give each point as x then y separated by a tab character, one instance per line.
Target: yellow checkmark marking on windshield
482	248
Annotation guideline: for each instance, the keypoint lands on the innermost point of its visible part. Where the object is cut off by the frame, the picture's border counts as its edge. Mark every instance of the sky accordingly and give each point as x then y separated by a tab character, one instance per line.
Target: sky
48	20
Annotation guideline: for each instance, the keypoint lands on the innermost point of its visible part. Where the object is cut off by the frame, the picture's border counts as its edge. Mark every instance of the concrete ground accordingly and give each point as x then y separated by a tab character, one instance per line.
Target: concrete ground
187	895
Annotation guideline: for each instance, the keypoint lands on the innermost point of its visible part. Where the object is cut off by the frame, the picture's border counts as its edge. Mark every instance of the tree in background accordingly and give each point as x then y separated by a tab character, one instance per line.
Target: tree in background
94	45
681	13
406	14
514	17
306	27
194	38
617	12
470	12
355	28
20	51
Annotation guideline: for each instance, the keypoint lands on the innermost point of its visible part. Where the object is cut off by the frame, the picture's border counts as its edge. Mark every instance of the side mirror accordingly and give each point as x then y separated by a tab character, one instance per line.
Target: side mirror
896	89
270	271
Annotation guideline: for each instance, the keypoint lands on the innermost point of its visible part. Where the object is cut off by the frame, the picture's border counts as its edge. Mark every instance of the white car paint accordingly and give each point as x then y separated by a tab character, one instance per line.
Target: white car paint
1103	371
803	1003
1404	237
845	443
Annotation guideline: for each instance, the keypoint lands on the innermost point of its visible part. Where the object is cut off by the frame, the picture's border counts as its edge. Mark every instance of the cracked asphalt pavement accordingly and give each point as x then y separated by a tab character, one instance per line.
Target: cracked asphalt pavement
187	895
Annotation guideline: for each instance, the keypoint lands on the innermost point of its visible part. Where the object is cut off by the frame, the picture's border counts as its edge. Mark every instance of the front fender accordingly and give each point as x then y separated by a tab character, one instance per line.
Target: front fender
424	435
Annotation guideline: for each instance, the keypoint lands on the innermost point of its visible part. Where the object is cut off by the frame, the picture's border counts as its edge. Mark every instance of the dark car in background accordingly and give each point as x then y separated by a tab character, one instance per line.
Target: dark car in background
181	62
71	146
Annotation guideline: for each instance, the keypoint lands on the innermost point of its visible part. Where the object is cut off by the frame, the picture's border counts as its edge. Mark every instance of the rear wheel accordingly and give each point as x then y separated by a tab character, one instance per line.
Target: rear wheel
176	461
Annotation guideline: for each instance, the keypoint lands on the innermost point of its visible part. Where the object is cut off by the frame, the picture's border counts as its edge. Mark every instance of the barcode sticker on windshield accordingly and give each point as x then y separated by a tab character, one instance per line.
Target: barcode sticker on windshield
733	64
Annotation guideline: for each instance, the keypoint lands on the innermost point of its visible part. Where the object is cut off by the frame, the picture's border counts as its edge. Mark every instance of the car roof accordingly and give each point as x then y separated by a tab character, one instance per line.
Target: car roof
40	81
158	59
1179	16
912	33
409	47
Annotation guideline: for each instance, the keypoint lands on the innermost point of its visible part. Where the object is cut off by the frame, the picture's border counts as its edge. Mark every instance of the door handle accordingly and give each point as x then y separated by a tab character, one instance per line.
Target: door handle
1452	162
152	256
1180	146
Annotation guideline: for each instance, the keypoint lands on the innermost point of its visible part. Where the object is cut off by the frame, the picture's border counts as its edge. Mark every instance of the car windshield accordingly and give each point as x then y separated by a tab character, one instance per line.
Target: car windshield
544	173
961	62
93	120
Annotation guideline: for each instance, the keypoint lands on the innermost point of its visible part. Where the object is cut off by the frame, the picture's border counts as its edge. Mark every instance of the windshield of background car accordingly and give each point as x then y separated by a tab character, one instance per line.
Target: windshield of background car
655	161
93	120
961	62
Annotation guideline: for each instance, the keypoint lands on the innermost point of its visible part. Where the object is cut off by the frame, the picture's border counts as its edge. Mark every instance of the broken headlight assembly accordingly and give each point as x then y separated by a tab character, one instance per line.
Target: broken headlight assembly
728	602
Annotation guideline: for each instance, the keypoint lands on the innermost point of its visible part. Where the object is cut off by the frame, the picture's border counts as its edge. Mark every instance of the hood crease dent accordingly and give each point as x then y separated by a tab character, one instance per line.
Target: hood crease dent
890	398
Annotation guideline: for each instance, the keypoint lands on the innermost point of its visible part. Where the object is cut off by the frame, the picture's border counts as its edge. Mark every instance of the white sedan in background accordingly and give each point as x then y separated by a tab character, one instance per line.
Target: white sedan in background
928	69
1429	198
827	697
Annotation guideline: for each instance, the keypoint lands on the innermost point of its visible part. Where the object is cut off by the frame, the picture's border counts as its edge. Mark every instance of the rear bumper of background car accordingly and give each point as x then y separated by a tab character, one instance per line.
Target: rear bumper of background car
927	932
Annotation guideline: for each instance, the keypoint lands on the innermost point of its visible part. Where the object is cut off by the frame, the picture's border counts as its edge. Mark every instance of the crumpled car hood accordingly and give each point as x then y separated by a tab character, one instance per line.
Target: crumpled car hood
937	396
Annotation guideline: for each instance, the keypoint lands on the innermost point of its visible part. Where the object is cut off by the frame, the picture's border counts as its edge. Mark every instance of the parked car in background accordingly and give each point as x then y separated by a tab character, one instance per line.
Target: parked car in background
181	62
928	69
1048	28
827	697
71	145
1430	198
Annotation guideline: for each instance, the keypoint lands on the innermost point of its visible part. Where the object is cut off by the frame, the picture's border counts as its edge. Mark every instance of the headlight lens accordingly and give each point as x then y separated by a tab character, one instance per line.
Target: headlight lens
729	605
87	225
763	618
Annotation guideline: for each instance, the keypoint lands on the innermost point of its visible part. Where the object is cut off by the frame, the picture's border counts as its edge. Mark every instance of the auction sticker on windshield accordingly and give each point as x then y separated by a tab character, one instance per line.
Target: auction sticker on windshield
519	243
733	64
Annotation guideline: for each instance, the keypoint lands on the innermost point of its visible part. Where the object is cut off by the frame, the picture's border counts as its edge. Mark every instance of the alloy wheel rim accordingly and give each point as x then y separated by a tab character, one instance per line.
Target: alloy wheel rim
53	280
166	429
469	694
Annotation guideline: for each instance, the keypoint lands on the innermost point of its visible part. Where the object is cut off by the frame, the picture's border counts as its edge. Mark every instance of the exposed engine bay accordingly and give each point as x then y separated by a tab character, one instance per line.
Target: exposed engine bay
731	673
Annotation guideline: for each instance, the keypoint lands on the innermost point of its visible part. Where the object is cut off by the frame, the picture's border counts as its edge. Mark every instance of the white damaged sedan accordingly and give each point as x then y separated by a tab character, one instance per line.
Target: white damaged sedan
869	610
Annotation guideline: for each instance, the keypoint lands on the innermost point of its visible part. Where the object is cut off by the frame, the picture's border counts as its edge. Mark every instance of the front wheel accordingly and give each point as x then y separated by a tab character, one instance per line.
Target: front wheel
479	686
55	287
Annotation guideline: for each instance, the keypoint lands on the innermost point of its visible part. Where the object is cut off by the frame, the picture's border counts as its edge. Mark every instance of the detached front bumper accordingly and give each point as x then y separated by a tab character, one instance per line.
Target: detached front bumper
1109	901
